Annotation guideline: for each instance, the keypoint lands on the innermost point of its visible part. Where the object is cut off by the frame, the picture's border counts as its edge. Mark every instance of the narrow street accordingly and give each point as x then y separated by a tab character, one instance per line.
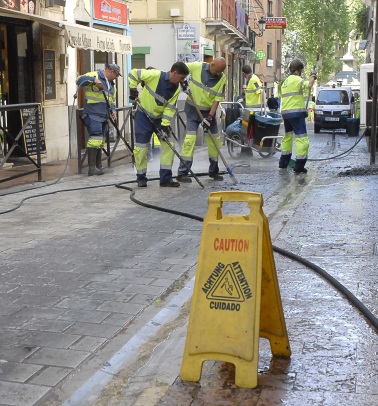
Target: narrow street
96	289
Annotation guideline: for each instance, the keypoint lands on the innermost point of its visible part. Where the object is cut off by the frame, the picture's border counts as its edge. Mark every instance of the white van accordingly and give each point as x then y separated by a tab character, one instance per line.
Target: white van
333	107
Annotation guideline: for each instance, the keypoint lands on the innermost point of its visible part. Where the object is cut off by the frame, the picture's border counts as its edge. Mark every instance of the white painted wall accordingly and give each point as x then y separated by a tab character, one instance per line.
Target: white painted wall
161	39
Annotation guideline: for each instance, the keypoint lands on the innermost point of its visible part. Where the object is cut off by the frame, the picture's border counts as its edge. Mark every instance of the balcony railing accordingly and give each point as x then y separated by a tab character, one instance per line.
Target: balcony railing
230	11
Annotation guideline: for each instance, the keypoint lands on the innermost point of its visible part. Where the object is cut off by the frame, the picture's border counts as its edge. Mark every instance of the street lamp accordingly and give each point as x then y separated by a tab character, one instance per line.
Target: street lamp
262	25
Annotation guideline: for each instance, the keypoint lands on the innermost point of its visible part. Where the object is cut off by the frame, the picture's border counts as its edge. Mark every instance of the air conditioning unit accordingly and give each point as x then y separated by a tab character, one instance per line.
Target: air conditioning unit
246	49
175	12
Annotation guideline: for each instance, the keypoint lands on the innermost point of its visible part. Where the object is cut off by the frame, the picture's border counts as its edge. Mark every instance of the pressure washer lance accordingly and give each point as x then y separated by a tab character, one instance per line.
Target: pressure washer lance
187	90
163	137
114	123
313	73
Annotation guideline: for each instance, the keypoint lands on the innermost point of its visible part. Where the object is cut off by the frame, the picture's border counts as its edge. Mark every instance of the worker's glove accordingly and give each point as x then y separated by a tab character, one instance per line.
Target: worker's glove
184	85
206	122
133	95
314	74
165	132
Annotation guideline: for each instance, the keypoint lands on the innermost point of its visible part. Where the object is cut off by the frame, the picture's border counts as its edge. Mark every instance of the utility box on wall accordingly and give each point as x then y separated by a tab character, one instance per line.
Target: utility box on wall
175	12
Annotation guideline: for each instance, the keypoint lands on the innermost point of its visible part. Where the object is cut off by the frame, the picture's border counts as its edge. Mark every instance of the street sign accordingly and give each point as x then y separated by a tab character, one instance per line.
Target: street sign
186	32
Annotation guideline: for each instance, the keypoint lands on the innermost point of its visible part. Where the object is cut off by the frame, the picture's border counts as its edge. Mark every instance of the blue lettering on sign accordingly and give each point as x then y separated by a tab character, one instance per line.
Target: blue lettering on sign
106	8
116	10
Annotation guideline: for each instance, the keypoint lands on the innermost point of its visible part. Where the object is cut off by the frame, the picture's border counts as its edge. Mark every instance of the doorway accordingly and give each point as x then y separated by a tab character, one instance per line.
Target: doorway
16	73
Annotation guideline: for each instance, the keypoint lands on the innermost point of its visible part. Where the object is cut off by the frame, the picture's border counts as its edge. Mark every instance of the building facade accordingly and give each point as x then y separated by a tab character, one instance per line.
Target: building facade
199	30
45	45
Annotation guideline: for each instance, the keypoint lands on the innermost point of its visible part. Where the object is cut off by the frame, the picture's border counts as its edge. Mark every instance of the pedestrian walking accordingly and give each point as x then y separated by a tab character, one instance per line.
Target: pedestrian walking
98	85
294	113
207	86
253	92
156	110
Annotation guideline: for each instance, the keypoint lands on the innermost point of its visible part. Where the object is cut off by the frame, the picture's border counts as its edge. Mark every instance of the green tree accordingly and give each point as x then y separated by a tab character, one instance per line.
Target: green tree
320	28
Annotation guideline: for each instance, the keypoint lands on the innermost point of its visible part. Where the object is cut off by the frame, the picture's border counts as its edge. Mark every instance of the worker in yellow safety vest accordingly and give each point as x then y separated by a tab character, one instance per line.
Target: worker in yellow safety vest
294	113
157	108
97	110
254	90
207	87
311	107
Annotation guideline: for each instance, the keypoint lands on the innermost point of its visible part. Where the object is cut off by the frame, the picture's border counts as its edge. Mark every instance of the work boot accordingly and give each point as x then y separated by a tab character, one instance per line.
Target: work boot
302	170
216	176
299	166
99	161
172	183
92	170
284	161
184	178
142	183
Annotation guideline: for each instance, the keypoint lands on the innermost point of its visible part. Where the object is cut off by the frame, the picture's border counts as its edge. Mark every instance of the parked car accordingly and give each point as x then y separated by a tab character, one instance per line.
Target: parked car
333	107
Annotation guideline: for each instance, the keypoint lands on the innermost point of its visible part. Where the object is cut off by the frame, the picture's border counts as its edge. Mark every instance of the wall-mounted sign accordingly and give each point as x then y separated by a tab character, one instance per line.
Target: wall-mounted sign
110	11
275	22
186	32
49	84
25	6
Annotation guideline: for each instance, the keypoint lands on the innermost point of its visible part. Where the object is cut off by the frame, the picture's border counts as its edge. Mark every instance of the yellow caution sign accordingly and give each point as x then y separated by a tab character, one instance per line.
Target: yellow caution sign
236	296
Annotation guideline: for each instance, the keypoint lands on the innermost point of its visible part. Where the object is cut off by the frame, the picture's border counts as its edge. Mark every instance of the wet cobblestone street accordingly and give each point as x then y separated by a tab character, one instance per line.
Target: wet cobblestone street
84	272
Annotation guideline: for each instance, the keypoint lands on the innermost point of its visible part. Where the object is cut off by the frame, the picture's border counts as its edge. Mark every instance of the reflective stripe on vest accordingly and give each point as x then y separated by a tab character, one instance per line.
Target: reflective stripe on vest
292	96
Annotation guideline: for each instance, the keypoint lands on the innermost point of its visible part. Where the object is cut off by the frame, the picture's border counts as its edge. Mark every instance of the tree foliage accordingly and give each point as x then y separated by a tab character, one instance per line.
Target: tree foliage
318	29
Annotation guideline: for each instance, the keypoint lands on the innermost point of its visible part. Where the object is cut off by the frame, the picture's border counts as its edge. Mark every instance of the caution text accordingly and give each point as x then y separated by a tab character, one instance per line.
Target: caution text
231	244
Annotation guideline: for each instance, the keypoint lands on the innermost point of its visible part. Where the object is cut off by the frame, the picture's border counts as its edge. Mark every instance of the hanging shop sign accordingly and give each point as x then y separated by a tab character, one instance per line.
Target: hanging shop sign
110	11
275	23
260	54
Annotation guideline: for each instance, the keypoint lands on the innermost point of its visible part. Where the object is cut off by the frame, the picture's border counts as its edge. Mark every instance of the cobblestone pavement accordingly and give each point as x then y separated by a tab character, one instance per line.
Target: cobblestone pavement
83	271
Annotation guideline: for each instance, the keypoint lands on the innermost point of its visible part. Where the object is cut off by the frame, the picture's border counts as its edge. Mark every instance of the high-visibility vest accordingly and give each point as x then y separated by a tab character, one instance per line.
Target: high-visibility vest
252	92
154	104
94	101
203	95
292	95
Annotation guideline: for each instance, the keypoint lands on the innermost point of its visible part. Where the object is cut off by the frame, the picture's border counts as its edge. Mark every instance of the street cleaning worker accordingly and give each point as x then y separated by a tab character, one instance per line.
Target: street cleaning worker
253	91
294	113
96	111
157	100
207	87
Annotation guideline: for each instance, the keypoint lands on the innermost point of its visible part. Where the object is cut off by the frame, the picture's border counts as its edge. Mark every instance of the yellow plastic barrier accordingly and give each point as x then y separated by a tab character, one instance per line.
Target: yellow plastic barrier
236	296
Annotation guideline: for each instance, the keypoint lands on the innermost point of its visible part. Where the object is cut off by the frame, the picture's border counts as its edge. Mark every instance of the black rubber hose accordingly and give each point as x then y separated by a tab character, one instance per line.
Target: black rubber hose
336	284
342	289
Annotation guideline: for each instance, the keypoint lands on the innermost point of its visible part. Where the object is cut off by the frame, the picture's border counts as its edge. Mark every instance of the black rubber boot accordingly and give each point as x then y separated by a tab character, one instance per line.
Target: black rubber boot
284	161
92	170
99	161
299	166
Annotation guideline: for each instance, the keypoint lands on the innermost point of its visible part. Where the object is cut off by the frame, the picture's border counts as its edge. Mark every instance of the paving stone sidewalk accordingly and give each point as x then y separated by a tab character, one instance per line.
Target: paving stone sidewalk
81	269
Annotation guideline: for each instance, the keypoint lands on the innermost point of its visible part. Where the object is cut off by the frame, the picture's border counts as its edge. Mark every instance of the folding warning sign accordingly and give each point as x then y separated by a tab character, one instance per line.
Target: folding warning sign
236	297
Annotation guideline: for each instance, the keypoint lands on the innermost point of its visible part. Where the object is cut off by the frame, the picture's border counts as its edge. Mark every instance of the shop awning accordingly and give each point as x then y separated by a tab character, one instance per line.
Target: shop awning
83	37
80	36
